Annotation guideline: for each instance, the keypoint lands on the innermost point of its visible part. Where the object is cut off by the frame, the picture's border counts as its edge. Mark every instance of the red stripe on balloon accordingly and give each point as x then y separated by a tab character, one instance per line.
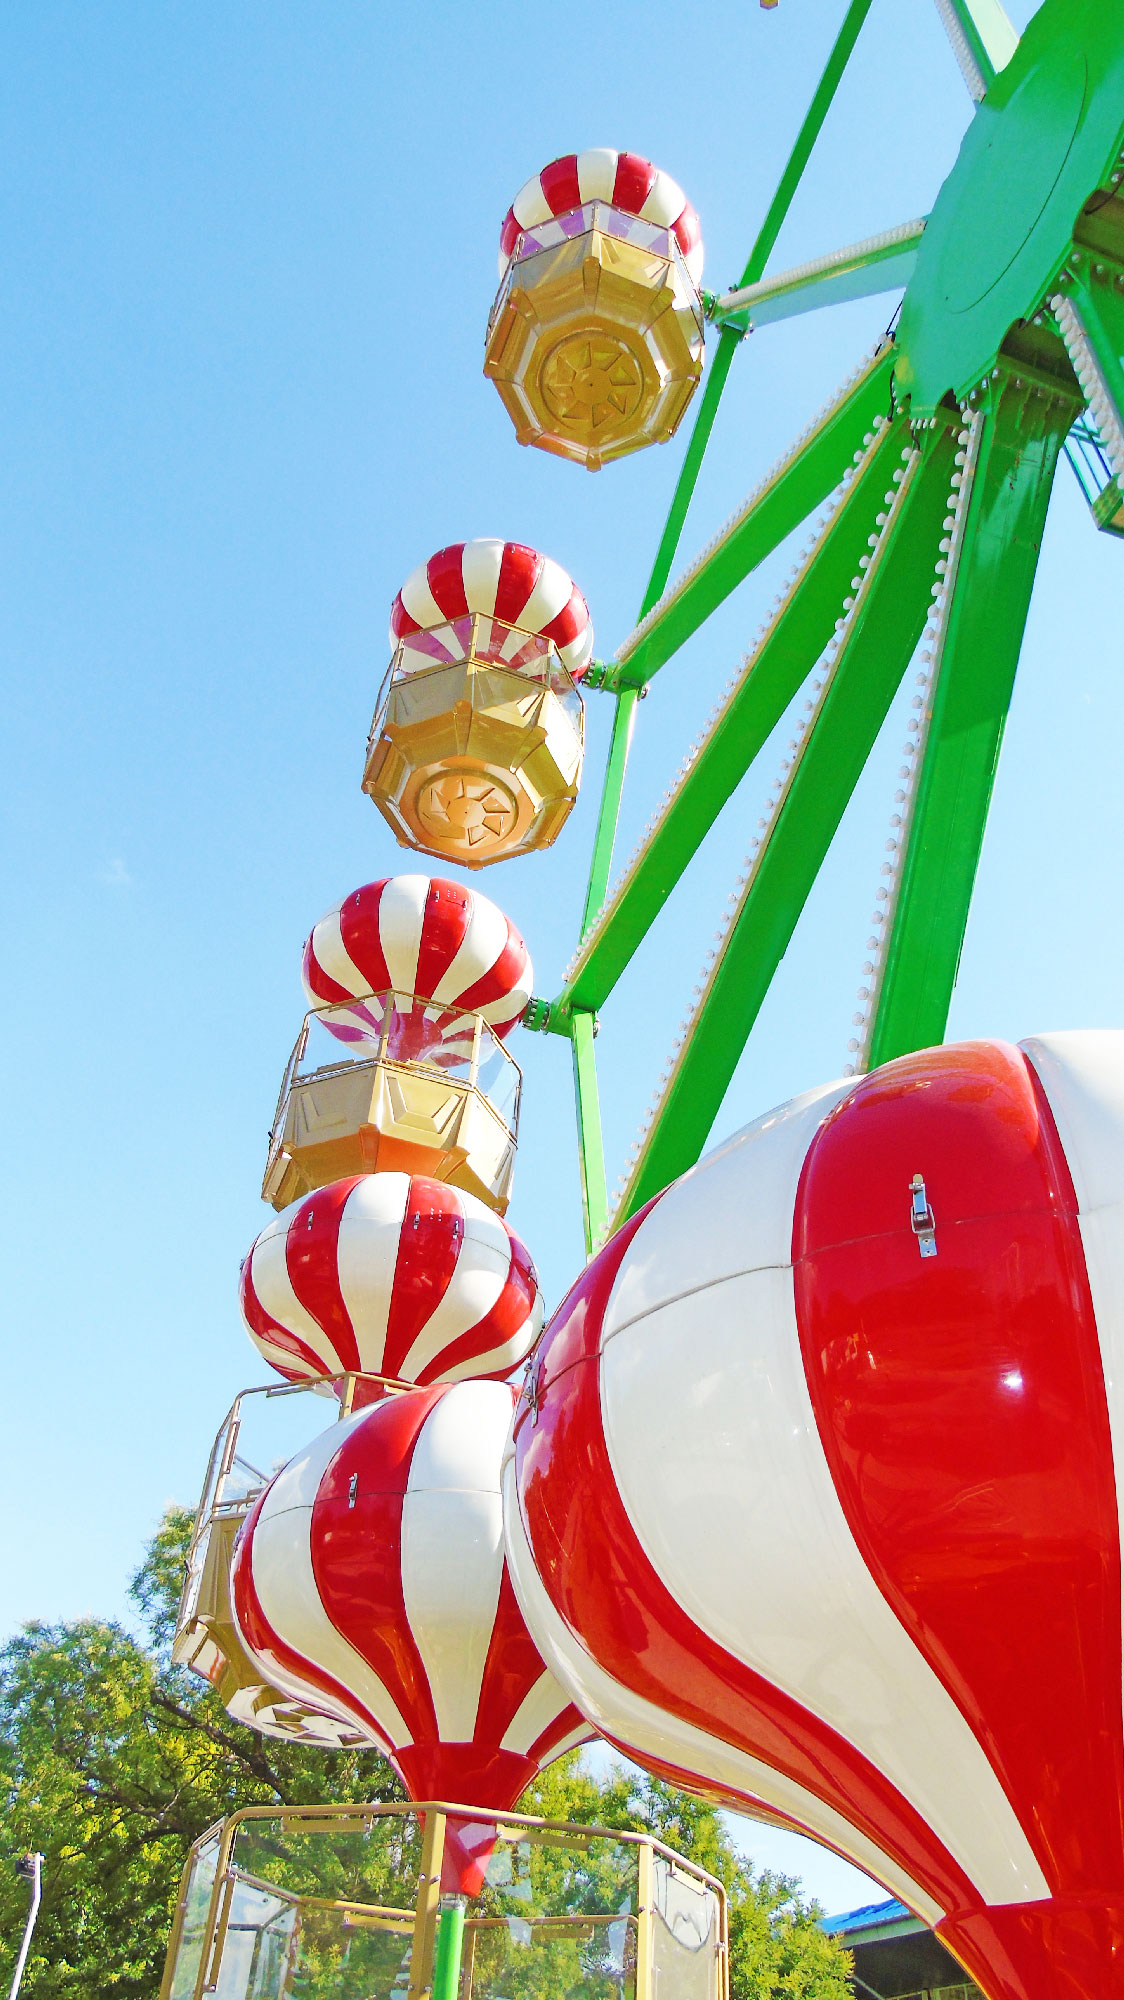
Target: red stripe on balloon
510	233
364	1597
508	1317
967	1428
570	621
445	925
401	623
568	1719
359	930
559	183
512	1667
504	973
316	980
520	569
276	1656
311	1247
633	183
465	1773
429	1246
271	1331
686	230
602	1584
445	576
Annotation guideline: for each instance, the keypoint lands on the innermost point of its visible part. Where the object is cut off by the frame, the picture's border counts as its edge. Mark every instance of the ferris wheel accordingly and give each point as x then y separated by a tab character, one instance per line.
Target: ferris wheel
761	1341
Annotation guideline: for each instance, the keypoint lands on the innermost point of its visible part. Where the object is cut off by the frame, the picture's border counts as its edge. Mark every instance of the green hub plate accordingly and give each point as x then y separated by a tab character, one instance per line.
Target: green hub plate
1047	135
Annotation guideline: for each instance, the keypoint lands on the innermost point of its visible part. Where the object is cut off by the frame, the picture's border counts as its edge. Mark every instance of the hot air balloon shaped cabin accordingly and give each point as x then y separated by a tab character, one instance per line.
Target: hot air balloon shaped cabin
595	340
401	1064
476	747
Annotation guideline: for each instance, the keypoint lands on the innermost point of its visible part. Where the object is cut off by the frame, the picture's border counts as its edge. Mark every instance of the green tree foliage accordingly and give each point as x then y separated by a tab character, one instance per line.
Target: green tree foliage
112	1761
776	1945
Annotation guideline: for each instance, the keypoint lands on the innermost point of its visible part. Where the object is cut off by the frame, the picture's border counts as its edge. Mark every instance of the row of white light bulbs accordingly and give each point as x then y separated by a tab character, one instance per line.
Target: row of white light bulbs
753	500
733	685
820	680
932	645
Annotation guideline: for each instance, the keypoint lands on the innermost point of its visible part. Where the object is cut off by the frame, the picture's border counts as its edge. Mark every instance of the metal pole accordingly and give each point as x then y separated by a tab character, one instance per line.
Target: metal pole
450	1944
31	1868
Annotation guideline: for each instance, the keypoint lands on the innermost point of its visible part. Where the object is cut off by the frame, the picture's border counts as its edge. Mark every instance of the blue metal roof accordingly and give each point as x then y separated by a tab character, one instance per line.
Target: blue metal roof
868	1917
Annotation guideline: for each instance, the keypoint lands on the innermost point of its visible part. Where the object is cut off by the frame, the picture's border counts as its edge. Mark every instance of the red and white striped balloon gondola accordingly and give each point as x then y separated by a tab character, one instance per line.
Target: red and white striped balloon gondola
444	950
596	338
815	1496
624	181
371	1577
519	598
390	1274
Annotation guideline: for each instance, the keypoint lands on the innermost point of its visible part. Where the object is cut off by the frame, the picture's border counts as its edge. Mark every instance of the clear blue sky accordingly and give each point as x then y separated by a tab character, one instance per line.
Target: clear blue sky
249	252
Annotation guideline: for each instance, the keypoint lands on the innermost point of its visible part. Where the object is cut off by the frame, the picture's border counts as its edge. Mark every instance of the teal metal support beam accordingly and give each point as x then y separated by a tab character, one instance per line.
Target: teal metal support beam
983	40
758	258
713	386
794	641
887	621
797	486
591	1148
605	837
700	437
882	263
980	637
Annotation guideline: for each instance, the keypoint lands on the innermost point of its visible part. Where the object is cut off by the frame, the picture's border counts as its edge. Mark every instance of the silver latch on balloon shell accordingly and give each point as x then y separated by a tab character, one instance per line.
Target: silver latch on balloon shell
921	1217
352	1489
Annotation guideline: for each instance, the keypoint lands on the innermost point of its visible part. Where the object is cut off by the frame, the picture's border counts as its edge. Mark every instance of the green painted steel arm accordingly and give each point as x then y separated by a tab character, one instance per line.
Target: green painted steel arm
591	1148
796	637
604	840
792	491
881	263
883	632
982	38
758	258
1022	433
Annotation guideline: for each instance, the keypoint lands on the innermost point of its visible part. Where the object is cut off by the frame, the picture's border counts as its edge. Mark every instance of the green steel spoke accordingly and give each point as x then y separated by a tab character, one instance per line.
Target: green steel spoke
794	639
758	258
792	491
881	263
716	374
982	38
883	630
604	841
591	1148
980	634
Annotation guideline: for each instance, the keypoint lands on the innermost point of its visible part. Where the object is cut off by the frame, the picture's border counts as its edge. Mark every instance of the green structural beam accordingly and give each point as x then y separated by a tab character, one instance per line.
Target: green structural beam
704	423
794	490
1022	435
982	38
755	266
887	622
591	1148
605	838
882	263
794	641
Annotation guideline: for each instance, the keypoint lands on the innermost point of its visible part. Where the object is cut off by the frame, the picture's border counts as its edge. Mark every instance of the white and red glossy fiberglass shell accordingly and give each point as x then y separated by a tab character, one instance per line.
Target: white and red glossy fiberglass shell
423	936
390	1274
834	1529
371	1577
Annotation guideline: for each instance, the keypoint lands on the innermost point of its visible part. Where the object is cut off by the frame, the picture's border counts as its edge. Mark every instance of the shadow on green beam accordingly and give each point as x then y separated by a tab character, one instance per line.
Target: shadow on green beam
799	632
885	630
